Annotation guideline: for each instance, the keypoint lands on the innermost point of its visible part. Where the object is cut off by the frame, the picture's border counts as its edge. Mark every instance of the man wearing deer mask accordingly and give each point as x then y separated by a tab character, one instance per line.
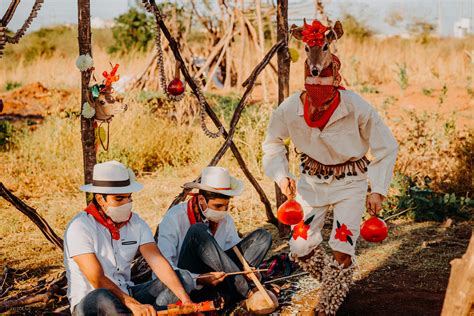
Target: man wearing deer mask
100	244
197	238
332	129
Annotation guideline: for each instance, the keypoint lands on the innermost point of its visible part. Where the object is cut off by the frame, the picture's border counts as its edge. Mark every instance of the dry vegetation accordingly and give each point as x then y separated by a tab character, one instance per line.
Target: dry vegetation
163	143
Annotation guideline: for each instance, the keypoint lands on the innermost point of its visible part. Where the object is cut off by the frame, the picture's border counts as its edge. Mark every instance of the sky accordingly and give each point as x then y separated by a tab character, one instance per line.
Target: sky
374	12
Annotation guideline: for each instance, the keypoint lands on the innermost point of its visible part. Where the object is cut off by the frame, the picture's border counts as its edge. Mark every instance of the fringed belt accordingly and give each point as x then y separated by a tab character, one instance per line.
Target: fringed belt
349	168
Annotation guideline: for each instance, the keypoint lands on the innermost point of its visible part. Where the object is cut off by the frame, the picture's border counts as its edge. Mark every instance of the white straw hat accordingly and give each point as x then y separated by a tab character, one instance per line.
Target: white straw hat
112	177
217	180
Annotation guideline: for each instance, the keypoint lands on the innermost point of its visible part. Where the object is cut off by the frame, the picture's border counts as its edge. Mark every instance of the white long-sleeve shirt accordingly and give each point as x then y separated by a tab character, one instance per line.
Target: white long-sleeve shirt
353	129
174	226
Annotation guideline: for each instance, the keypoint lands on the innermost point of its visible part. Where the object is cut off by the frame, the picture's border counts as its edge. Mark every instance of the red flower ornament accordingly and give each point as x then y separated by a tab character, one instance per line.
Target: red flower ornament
343	234
313	34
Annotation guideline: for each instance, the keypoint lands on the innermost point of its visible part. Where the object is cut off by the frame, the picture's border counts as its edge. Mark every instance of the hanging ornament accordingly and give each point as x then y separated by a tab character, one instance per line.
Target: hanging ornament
176	86
101	136
161	71
290	213
374	229
294	55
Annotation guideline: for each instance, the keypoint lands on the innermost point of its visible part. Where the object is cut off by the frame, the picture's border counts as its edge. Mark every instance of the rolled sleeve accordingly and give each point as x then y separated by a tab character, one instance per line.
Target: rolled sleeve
275	162
168	242
78	239
146	236
384	148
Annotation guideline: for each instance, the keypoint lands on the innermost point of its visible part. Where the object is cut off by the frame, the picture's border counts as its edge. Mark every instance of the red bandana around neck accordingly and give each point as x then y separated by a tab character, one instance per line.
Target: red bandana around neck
105	221
322	100
192	202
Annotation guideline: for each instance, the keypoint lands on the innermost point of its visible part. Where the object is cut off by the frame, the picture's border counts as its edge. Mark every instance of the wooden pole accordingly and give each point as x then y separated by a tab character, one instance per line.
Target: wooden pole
283	81
87	128
261	40
459	297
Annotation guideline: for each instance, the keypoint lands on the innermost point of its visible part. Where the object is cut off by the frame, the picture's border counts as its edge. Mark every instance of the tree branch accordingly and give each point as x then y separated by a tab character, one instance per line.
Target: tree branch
33	216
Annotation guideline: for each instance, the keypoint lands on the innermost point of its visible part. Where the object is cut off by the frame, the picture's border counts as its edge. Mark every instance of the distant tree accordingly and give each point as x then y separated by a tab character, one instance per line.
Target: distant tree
395	18
421	29
135	29
132	31
354	27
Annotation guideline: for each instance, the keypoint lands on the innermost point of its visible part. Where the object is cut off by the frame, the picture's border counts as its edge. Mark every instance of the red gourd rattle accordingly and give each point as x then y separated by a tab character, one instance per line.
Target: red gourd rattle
290	212
374	229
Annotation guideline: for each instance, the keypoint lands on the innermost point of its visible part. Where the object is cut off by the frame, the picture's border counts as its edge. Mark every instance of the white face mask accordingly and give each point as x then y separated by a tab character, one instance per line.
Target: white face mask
213	215
120	213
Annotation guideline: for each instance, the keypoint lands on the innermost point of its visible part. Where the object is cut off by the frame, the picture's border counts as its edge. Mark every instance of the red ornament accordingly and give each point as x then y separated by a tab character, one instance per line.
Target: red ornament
374	229
176	87
313	34
290	213
112	77
301	230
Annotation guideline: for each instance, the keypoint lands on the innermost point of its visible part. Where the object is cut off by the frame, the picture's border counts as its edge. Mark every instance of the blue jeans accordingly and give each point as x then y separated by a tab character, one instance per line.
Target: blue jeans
200	254
104	302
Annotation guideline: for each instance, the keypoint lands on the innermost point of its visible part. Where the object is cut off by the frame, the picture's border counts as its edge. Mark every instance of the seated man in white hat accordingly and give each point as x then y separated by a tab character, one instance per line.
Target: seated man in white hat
100	244
197	237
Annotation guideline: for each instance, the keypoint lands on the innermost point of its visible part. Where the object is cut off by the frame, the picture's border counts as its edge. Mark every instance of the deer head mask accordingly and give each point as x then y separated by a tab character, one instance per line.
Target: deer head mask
317	39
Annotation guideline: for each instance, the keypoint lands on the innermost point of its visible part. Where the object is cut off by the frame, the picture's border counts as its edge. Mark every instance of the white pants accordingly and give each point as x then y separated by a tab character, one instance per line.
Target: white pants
347	196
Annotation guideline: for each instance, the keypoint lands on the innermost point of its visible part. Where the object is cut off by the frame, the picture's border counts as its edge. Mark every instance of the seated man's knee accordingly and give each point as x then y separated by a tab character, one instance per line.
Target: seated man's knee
198	229
263	235
101	295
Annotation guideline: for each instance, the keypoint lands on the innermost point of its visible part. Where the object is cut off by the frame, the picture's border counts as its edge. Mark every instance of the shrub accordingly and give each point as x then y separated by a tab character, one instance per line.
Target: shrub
424	204
132	30
6	135
356	28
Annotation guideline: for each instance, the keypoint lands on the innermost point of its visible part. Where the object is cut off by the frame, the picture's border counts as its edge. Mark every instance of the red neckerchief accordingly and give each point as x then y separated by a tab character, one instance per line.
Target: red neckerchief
323	100
194	216
105	221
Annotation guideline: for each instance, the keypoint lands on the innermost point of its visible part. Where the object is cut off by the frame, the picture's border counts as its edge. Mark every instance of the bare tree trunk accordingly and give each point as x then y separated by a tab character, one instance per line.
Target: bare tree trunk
283	80
87	128
243	34
261	39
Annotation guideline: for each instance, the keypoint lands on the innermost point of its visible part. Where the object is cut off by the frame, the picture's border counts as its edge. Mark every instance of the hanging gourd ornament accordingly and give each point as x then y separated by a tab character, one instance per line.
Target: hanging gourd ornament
374	229
176	86
290	213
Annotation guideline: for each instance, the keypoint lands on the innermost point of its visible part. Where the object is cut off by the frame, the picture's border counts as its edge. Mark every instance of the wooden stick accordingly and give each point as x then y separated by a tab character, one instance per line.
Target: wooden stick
232	273
253	276
286	277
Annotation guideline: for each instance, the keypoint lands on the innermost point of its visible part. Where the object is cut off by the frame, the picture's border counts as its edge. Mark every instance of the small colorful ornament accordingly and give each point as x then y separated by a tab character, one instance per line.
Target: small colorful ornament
290	213
374	229
112	77
84	62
